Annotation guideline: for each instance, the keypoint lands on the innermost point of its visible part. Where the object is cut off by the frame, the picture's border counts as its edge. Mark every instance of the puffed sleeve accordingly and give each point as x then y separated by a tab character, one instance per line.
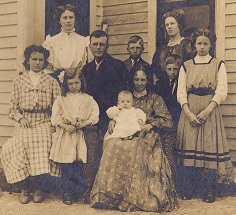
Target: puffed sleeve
140	114
48	44
94	116
56	90
57	112
112	112
162	117
221	87
182	89
14	110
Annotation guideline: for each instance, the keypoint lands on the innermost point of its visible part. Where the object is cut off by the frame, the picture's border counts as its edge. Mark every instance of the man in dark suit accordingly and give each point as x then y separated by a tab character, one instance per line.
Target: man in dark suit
105	76
134	62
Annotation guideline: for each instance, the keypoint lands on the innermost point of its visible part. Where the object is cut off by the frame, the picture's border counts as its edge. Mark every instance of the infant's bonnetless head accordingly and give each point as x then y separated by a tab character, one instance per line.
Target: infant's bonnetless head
125	100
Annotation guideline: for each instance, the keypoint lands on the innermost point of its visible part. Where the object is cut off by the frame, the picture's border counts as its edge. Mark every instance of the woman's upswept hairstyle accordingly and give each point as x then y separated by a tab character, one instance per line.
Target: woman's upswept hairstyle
207	33
70	74
147	72
33	49
204	32
61	9
179	16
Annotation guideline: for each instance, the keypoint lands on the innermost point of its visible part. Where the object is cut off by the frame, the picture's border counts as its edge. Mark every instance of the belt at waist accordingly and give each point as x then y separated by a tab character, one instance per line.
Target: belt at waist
202	91
48	111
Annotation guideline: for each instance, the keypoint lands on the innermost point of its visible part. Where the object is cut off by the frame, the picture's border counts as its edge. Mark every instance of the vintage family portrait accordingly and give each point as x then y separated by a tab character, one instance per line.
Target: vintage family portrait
117	107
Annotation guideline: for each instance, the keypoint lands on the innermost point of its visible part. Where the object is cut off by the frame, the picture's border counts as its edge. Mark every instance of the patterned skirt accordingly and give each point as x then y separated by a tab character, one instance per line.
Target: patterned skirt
203	146
27	153
135	175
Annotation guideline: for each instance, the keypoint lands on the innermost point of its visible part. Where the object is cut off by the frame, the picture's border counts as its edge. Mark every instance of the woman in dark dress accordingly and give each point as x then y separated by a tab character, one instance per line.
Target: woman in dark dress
173	23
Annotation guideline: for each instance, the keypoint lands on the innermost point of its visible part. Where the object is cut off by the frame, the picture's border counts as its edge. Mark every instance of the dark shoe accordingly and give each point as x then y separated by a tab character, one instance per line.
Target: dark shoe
209	197
67	199
102	206
187	195
38	196
24	197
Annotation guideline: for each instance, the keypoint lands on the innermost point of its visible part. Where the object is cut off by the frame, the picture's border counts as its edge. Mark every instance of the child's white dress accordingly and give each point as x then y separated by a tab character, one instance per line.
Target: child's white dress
126	121
66	147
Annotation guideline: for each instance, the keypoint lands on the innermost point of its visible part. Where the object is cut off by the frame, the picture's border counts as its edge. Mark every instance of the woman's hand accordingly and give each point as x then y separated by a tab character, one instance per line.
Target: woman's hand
53	129
145	129
24	122
191	116
203	116
206	112
69	128
111	126
81	124
193	119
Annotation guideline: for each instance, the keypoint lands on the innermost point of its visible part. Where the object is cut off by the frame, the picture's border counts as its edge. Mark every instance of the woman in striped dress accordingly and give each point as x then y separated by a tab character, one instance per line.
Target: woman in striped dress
25	156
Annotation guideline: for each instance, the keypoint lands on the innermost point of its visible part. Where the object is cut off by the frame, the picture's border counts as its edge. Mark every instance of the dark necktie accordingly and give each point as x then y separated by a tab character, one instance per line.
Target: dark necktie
135	64
172	83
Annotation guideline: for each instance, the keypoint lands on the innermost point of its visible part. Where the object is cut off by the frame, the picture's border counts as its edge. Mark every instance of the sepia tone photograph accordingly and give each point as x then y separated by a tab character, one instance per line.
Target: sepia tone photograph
117	107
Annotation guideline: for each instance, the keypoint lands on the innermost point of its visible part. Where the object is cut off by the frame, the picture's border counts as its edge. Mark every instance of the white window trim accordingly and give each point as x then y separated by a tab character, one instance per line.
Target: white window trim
220	28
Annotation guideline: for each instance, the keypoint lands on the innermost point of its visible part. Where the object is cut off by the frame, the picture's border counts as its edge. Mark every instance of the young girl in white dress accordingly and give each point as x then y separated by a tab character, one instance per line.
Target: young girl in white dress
202	150
72	111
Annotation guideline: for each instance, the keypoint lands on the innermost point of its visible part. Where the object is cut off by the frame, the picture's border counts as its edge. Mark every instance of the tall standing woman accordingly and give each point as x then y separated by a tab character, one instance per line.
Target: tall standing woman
25	156
67	49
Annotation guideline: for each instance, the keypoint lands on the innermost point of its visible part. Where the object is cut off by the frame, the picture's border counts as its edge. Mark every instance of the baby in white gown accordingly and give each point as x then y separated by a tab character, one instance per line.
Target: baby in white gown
128	119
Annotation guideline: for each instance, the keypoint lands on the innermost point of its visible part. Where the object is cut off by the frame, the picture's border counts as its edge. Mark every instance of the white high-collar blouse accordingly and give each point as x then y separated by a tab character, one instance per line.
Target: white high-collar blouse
221	88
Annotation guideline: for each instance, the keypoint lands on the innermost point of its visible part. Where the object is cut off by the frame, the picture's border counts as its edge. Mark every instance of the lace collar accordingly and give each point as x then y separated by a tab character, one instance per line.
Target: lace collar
140	94
175	43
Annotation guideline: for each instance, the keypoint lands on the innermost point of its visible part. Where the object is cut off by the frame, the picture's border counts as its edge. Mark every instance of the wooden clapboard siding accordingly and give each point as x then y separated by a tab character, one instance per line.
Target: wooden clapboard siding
8	63
228	110
230	19
229	106
4	108
125	18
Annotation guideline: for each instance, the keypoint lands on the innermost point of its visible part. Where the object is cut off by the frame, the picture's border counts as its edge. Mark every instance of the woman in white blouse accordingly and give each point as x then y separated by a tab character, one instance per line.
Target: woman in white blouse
67	49
202	149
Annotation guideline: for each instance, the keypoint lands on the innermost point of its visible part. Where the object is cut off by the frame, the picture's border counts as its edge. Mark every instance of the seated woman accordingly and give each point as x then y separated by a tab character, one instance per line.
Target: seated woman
25	156
135	174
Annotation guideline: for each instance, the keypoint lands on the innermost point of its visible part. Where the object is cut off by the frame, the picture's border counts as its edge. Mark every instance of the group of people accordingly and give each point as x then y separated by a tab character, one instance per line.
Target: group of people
133	104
